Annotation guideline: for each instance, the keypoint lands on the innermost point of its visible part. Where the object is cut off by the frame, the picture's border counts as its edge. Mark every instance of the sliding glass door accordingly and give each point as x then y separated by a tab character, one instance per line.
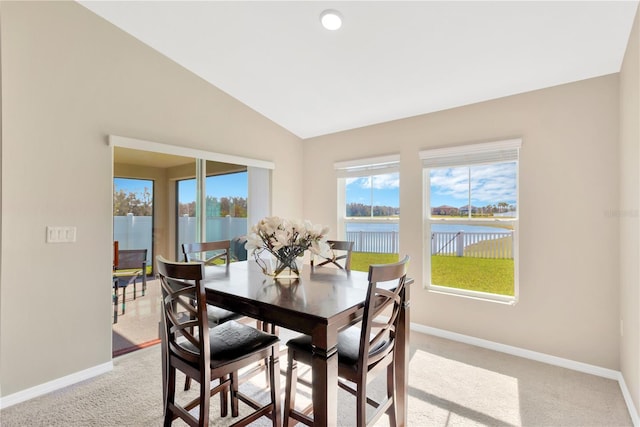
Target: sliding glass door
225	205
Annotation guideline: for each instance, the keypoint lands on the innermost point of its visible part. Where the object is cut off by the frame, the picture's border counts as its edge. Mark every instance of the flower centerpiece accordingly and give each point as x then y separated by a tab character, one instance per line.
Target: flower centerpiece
286	240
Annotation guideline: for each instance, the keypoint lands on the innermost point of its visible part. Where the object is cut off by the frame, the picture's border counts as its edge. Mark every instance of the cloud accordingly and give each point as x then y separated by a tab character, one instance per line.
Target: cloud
380	182
490	184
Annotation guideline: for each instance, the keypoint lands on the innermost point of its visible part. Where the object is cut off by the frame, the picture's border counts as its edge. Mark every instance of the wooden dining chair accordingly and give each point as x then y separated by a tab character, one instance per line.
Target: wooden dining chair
340	255
131	266
209	354
210	253
363	350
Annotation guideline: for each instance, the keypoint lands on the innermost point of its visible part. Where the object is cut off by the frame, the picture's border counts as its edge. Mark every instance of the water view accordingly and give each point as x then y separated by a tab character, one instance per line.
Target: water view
443	228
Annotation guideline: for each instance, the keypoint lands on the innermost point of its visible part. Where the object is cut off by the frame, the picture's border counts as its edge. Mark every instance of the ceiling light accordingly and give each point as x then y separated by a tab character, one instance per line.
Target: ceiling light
331	19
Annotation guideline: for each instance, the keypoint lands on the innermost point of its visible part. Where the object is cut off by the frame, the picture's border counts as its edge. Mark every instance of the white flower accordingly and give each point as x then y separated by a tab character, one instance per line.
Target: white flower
275	235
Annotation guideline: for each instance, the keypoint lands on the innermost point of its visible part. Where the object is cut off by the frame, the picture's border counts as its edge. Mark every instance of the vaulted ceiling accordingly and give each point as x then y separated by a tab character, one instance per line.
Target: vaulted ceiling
390	59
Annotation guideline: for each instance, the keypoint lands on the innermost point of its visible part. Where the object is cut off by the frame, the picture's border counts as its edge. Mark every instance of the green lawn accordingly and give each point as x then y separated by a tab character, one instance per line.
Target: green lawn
360	261
479	274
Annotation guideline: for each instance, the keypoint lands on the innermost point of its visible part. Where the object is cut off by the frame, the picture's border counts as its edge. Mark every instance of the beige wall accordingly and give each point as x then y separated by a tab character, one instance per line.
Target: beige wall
568	303
68	80
629	212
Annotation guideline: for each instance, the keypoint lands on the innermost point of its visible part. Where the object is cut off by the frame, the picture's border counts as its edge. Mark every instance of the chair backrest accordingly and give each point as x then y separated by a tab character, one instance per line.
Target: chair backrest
378	336
116	250
184	311
341	255
207	252
132	258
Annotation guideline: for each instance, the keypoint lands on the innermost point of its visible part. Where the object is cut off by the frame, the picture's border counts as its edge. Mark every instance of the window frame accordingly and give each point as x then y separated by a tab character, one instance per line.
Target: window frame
469	155
360	168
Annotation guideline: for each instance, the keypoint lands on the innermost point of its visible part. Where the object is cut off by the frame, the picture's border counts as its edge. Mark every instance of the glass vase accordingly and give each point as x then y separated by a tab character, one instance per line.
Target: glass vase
285	268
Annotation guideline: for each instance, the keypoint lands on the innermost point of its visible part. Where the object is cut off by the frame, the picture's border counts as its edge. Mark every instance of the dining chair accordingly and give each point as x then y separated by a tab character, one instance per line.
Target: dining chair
340	255
210	253
364	350
129	266
209	354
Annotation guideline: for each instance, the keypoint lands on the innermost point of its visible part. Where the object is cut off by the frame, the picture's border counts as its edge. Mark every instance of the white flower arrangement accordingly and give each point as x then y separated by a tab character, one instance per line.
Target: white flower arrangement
286	239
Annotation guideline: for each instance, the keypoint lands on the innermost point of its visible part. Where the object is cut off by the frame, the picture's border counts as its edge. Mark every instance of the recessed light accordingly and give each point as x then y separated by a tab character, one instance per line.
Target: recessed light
331	19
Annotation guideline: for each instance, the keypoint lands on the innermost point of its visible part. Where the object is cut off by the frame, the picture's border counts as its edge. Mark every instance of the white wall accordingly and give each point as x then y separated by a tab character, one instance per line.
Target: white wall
69	79
569	304
629	213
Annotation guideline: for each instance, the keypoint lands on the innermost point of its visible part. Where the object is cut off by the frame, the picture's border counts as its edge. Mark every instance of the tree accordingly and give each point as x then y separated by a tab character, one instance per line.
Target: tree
138	204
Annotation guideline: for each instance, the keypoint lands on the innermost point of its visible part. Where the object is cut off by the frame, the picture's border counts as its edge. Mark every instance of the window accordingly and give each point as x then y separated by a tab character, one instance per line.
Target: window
471	219
369	209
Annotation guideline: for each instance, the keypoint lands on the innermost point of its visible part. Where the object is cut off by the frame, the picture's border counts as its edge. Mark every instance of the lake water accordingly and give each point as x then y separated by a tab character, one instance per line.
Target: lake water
359	226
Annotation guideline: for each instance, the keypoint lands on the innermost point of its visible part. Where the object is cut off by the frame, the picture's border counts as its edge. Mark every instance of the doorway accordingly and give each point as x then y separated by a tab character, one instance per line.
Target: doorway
162	170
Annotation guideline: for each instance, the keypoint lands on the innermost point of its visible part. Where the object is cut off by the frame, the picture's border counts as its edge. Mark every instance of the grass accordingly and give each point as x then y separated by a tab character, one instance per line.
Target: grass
360	261
477	274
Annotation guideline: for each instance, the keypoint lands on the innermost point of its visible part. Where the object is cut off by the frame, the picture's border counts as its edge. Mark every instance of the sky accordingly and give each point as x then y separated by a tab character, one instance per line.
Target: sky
490	184
230	185
385	192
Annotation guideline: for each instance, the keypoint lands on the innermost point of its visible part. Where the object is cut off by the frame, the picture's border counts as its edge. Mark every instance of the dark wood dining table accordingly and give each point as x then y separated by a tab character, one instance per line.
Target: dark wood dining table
320	303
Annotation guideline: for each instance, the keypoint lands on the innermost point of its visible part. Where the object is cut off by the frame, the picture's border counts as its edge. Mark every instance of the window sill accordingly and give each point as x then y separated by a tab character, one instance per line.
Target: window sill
481	296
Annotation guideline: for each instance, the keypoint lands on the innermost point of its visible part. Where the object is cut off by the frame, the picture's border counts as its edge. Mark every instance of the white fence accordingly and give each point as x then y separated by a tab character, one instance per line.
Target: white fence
460	243
477	245
134	232
383	242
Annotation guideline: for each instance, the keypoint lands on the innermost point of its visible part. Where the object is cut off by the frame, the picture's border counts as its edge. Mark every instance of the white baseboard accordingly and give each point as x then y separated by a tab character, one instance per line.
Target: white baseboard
538	357
54	385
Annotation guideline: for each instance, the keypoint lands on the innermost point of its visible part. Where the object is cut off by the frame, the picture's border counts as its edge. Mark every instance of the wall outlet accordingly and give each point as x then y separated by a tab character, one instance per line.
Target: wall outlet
61	234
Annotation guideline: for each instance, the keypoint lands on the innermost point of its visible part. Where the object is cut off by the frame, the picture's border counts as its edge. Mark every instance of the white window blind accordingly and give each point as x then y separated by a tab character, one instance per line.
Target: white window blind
370	166
473	154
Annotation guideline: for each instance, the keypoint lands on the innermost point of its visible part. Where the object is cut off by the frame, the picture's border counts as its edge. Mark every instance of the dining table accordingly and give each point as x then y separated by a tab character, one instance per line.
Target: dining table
320	303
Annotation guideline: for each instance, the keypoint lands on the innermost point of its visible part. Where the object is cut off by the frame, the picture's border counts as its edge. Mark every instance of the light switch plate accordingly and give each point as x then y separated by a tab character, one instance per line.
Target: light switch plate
61	234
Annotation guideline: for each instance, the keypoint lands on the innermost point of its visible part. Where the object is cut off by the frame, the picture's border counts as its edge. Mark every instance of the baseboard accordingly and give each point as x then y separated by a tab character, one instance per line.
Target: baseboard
54	385
633	412
538	357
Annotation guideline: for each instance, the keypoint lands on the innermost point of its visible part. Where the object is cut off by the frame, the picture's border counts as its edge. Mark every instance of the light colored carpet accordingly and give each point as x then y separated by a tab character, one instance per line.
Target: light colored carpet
450	384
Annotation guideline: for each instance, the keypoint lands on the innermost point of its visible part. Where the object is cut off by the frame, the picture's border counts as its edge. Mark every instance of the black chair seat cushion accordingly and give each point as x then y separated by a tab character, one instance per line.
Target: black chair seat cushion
348	346
232	340
217	315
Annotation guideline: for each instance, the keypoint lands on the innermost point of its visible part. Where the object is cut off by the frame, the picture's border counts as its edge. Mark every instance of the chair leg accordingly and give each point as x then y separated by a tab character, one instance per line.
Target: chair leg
187	383
290	387
361	404
234	394
205	400
391	387
224	402
134	288
124	297
274	371
115	304
171	396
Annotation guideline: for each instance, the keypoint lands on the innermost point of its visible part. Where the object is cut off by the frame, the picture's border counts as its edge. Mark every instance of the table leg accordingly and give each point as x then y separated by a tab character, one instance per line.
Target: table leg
402	362
325	387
